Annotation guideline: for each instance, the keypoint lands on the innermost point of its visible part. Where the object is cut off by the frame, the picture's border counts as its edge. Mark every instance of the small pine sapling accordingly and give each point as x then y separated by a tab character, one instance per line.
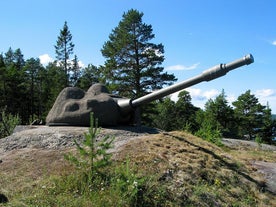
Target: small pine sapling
93	156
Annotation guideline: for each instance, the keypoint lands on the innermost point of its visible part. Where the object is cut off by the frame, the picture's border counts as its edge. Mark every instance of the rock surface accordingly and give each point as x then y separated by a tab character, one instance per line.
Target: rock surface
244	144
46	137
268	169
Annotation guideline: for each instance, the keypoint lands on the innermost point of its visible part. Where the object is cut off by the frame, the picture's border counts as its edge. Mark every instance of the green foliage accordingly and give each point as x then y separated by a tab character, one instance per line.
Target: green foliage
259	140
267	129
75	69
124	188
176	116
207	132
165	118
220	114
187	127
249	113
98	180
8	123
34	82
133	62
54	82
13	90
185	112
248	117
89	75
253	118
64	48
127	184
93	157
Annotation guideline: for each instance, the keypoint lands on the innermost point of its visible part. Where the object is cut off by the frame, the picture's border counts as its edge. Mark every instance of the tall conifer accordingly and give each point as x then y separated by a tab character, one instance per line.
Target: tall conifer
64	48
133	63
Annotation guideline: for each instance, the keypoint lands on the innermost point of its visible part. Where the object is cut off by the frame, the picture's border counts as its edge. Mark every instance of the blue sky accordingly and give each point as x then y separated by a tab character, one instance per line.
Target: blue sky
196	34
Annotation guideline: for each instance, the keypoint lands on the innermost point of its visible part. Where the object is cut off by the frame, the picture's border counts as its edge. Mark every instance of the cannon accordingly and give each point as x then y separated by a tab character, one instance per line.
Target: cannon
73	105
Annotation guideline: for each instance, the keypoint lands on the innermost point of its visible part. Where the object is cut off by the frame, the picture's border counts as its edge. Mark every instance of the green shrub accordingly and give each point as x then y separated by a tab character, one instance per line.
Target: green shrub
206	132
107	183
259	140
94	158
7	123
99	181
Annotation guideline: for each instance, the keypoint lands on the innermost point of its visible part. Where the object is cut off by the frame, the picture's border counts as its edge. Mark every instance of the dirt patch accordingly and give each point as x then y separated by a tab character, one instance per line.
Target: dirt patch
37	162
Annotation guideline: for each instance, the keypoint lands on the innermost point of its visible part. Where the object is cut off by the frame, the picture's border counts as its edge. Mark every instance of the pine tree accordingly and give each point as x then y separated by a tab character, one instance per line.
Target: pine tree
53	83
89	76
75	71
220	114
268	126
9	57
64	48
249	114
14	88
19	59
2	82
133	63
165	118
33	84
185	112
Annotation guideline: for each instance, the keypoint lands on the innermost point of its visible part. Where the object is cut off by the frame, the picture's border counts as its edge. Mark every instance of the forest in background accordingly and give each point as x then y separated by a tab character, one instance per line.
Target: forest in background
132	68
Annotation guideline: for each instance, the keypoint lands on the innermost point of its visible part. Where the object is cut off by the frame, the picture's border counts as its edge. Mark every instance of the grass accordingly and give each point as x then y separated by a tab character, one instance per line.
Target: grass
169	169
188	165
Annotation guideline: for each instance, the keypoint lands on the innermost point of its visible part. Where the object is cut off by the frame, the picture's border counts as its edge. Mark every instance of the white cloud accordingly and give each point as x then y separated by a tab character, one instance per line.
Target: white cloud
267	96
199	97
265	93
45	59
196	93
231	98
182	67
81	64
274	42
210	94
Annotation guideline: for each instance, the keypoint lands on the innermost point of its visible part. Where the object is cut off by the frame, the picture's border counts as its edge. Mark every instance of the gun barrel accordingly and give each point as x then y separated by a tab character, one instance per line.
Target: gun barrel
207	75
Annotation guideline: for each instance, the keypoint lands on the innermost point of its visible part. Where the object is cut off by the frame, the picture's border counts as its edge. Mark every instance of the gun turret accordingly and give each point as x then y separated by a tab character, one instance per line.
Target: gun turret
73	106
